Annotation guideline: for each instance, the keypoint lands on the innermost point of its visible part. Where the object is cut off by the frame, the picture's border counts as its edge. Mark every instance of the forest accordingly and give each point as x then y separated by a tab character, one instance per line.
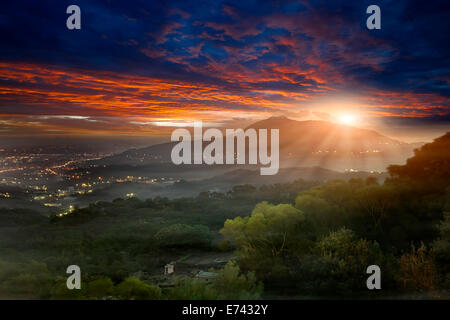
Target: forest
298	240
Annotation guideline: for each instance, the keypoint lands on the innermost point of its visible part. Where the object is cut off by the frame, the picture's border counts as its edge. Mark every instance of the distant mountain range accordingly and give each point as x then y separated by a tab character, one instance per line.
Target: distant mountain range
303	144
335	146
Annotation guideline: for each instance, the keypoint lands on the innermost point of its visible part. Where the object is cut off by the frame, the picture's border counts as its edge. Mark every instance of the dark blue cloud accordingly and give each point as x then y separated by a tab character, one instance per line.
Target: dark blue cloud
194	40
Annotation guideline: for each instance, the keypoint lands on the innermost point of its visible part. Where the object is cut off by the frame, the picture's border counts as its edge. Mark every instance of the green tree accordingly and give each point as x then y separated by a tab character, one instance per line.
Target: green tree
349	257
192	289
232	284
429	166
229	284
441	249
31	279
134	289
417	270
61	292
268	237
270	228
100	288
183	235
322	214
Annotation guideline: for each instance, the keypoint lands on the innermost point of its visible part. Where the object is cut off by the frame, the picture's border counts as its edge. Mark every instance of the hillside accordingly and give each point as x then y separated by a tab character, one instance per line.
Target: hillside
304	143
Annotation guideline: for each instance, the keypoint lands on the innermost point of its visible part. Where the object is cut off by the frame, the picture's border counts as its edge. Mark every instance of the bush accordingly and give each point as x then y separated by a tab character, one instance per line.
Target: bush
100	288
441	250
230	284
134	289
268	236
346	257
417	270
61	292
192	289
183	235
30	279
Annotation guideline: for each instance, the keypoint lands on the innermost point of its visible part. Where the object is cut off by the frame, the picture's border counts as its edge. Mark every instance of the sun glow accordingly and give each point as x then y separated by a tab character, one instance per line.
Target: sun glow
347	119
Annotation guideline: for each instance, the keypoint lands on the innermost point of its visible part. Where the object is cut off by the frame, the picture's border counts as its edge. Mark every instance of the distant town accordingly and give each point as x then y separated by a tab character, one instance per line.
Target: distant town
55	180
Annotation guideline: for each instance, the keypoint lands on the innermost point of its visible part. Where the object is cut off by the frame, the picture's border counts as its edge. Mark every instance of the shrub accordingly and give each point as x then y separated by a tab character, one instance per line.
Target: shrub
417	270
183	235
134	289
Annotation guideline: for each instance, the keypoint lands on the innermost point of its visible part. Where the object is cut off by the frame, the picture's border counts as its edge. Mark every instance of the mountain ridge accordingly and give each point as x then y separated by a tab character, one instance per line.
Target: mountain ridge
304	143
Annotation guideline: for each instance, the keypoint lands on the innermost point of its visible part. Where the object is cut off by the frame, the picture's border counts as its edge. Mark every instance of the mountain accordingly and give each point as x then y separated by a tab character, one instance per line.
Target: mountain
156	154
334	146
314	135
303	144
429	166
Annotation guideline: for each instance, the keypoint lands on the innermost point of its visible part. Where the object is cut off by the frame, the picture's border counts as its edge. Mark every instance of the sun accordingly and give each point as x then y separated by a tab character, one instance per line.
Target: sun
347	119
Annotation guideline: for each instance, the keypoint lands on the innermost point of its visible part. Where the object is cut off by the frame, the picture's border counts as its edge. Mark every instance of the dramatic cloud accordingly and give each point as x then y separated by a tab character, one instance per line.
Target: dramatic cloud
134	63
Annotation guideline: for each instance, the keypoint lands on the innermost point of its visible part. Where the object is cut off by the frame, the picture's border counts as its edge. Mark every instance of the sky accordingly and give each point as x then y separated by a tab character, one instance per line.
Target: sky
144	67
